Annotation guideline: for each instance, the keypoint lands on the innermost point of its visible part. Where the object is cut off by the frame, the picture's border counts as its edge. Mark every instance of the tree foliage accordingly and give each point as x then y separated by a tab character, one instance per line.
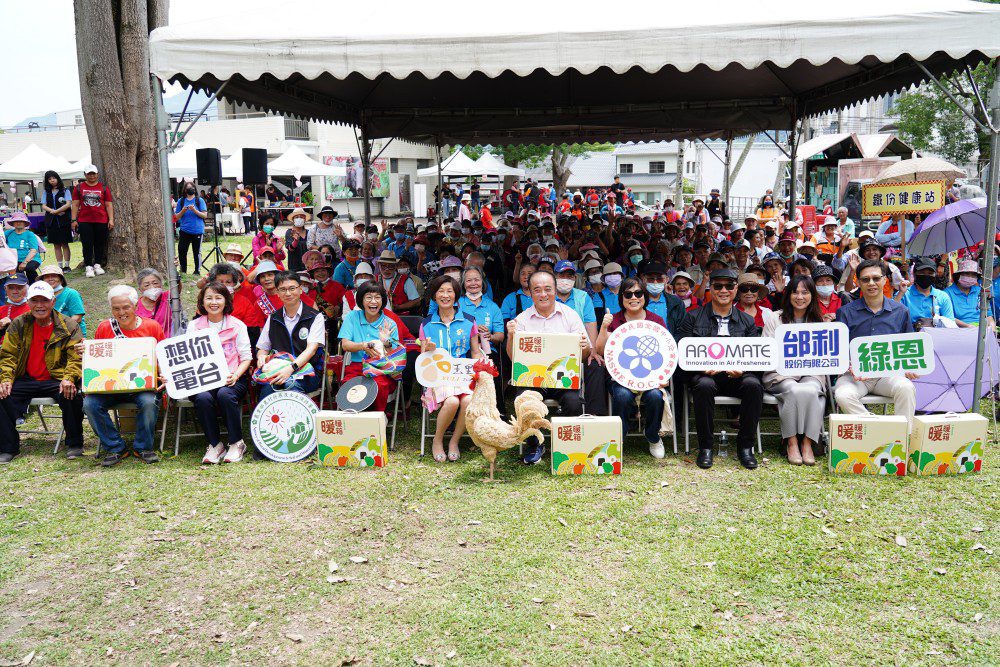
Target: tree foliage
561	157
929	121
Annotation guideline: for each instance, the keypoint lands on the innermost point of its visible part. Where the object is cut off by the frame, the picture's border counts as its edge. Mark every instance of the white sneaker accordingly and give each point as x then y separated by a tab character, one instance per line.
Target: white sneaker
656	449
98	270
89	271
236	452
213	454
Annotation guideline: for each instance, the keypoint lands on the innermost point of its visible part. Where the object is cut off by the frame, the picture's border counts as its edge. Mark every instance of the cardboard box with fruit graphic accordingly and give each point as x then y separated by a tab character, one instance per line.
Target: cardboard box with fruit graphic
546	360
868	444
948	444
348	439
586	445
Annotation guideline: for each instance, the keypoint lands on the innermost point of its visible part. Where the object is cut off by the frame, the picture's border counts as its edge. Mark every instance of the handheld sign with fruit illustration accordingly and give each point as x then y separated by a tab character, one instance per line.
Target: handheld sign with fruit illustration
349	439
546	360
119	365
868	444
948	444
586	445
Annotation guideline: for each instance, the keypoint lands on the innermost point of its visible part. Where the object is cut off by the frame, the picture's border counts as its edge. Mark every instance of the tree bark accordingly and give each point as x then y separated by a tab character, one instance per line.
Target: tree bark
112	38
560	170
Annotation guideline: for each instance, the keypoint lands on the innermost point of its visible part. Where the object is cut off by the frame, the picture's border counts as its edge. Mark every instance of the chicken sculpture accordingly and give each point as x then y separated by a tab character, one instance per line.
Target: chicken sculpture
485	424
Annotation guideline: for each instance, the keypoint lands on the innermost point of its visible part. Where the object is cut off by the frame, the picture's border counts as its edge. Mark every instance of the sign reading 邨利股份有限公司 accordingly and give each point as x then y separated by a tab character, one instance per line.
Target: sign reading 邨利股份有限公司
727	354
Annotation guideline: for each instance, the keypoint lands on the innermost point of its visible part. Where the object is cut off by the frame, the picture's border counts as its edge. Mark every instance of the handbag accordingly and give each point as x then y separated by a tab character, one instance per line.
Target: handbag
390	365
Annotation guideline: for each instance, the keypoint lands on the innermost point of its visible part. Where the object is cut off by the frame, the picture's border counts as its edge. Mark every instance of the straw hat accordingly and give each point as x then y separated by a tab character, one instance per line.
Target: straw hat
233	249
753	279
297	212
52	270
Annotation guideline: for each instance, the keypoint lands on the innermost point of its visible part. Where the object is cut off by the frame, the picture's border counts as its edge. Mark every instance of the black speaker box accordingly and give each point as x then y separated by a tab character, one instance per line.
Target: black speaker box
209	166
254	166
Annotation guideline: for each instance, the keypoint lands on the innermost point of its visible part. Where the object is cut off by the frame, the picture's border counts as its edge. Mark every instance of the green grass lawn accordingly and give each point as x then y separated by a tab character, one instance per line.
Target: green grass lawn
182	564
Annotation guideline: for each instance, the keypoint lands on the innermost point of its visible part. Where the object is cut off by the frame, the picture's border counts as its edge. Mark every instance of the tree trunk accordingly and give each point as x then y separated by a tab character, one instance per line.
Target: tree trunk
560	170
113	57
679	190
740	160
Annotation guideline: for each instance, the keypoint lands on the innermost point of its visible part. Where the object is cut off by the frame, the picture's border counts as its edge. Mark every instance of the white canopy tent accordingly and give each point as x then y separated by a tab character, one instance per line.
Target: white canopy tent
32	163
294	162
232	166
183	162
456	164
490	165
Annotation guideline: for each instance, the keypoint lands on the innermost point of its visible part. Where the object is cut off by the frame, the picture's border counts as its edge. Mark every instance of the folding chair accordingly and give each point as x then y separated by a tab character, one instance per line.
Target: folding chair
181	404
38	404
719	400
428	425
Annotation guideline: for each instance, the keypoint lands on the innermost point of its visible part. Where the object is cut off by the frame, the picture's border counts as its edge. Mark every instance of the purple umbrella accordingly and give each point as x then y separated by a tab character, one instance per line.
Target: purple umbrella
948	388
953	227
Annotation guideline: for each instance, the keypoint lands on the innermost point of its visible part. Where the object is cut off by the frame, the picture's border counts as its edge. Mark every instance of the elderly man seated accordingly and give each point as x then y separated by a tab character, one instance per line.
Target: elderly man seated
124	323
39	359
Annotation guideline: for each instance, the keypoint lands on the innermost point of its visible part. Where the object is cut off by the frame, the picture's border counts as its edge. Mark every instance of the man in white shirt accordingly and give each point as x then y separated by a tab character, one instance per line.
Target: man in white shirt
297	330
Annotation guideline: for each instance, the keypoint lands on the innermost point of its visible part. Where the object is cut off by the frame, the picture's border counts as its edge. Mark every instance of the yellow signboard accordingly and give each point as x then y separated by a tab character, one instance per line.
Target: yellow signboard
906	198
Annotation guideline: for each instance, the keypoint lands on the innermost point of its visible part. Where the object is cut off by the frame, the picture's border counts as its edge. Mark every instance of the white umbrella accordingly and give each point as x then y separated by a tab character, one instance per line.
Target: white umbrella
919	169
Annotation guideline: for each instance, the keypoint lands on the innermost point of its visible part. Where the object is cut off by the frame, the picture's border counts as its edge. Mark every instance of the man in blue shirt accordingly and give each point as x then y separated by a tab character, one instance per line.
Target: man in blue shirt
965	292
190	214
344	272
889	233
874	315
594	374
924	300
667	306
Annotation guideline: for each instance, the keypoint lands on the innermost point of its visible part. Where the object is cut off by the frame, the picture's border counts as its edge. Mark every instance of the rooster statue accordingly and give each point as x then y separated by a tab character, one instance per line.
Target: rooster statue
485	425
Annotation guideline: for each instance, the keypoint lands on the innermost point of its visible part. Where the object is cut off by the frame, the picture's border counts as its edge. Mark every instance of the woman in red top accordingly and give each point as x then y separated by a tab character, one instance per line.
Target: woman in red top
827	298
94	216
749	291
633	299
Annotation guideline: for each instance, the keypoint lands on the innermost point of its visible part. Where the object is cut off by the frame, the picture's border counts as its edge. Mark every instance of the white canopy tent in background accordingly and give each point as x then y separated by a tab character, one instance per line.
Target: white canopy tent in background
32	163
183	162
490	165
294	162
456	164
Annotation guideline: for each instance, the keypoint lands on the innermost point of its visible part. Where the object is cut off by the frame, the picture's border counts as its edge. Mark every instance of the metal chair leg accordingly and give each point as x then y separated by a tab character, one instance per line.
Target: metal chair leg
163	428
177	435
41	416
687	428
395	418
423	429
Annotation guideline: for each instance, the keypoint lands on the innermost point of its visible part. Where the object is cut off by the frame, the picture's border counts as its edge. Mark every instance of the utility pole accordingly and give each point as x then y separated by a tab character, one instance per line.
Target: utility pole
679	191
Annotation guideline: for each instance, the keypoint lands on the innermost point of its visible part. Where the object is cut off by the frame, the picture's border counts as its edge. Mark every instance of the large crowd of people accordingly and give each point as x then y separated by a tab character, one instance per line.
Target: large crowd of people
467	280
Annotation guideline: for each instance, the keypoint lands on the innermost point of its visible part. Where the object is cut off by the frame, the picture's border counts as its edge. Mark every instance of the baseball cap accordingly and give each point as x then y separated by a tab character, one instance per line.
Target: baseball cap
17	279
788	236
364	269
612	267
90	169
564	265
654	266
42	289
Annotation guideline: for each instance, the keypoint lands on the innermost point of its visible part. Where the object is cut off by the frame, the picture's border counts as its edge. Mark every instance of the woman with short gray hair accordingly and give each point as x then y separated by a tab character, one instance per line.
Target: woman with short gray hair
154	300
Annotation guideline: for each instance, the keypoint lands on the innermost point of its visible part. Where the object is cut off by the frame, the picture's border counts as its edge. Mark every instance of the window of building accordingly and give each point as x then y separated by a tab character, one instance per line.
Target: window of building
78	119
657	167
624	168
394	165
423	163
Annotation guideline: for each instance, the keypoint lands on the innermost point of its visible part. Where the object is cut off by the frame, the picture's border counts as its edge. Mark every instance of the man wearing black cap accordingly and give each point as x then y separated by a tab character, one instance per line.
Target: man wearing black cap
720	318
667	306
927	304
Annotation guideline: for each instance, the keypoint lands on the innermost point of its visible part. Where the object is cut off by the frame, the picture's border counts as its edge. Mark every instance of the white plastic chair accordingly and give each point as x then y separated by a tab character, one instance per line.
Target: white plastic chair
38	404
719	400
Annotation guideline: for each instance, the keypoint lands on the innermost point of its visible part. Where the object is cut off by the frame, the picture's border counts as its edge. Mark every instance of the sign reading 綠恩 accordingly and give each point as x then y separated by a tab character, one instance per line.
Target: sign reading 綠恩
894	354
440	369
723	353
906	198
640	355
192	363
812	349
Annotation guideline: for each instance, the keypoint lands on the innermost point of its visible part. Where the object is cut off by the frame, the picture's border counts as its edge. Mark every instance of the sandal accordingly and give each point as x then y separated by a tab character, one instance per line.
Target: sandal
440	458
453	455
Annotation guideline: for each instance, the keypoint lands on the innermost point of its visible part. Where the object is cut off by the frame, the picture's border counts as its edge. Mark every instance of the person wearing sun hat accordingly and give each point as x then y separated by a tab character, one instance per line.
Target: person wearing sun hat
295	239
964	293
68	301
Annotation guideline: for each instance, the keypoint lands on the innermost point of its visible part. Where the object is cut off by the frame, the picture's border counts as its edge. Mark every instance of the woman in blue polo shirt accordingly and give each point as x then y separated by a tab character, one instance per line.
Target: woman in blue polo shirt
190	214
359	332
457	334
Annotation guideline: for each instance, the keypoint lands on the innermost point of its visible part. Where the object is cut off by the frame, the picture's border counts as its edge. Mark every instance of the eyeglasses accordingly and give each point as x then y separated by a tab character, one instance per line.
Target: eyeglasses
729	287
871	279
632	294
373	297
743	289
287	290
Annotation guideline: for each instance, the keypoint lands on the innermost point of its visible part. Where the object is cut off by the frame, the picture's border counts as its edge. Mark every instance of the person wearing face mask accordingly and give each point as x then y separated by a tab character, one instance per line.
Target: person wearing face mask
612	276
16	288
295	239
683	287
451	266
190	213
265	238
667	307
595	376
964	294
245	307
670	213
326	232
635	254
593	283
926	303
403	295
154	302
829	300
68	301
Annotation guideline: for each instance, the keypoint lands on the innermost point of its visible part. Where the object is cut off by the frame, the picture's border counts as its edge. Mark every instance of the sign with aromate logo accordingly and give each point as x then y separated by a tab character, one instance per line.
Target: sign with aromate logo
893	354
812	349
640	355
722	353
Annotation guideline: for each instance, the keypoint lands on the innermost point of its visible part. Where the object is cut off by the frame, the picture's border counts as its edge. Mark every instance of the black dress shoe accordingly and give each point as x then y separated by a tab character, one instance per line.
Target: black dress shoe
705	458
747	459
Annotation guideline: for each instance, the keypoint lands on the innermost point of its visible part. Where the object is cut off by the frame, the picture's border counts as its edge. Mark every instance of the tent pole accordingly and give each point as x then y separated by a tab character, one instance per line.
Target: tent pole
366	157
438	205
793	166
163	147
991	232
725	180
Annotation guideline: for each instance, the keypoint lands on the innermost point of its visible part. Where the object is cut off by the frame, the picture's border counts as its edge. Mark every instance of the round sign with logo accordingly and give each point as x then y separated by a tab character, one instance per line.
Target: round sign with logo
640	355
283	427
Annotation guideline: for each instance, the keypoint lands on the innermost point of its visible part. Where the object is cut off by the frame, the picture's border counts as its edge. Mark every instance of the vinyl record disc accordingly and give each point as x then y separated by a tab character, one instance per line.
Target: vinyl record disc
357	394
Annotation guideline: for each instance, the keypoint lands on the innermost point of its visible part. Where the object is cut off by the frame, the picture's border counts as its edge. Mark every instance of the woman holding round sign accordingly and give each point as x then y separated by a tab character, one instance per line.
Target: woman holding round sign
801	400
645	358
215	310
458	335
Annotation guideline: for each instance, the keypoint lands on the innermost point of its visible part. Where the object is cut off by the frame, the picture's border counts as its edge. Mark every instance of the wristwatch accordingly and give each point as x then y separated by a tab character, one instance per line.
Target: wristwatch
295	366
